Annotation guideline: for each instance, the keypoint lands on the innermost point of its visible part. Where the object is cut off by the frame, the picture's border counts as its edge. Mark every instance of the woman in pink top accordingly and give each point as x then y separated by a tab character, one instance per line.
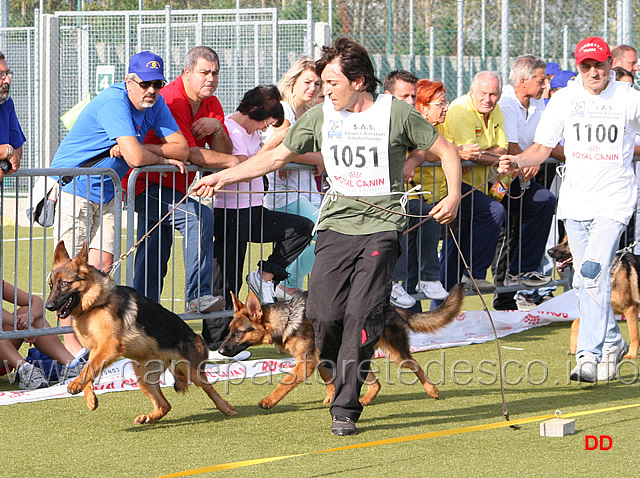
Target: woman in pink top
239	216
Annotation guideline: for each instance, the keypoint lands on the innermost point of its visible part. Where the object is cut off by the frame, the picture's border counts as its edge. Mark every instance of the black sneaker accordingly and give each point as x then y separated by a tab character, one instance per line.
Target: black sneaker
343	426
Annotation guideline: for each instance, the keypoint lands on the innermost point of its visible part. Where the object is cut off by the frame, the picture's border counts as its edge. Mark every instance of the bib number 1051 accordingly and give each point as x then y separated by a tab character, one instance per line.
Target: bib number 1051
600	132
357	159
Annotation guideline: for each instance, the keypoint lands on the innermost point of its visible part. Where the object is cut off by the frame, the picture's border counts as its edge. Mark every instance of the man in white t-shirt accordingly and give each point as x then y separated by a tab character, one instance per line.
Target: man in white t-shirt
598	118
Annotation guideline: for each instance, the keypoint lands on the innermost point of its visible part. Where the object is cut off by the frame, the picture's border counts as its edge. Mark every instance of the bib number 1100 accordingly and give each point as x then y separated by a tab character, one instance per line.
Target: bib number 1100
347	156
600	132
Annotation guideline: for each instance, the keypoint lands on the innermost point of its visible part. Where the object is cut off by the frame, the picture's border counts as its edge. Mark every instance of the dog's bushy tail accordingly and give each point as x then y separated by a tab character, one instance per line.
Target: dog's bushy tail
435	319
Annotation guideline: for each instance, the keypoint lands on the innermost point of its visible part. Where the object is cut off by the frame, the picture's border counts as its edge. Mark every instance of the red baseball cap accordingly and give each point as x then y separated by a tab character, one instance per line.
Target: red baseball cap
594	48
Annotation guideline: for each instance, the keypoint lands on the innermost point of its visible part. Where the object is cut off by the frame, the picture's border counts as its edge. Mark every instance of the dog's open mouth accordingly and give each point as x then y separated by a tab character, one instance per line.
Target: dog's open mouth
564	263
64	311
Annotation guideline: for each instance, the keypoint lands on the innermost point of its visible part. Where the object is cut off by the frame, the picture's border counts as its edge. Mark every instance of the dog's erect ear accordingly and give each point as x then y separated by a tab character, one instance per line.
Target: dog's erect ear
253	304
61	253
82	257
237	303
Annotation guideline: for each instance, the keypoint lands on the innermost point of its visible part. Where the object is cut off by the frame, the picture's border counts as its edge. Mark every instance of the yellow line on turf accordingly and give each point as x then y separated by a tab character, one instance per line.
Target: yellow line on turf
389	441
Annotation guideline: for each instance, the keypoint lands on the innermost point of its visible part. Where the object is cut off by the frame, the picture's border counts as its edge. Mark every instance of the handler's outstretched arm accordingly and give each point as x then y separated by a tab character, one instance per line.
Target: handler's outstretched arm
266	161
534	155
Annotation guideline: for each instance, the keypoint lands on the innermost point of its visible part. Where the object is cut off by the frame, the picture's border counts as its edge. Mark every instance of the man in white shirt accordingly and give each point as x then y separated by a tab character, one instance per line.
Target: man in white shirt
522	105
598	118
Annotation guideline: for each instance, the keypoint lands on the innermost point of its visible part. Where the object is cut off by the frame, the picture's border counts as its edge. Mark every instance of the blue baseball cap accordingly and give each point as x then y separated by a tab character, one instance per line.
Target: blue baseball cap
552	68
148	66
561	79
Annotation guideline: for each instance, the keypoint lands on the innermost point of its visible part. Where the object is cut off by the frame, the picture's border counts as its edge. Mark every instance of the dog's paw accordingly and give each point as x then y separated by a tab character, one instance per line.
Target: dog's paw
630	356
75	387
144	419
327	400
91	400
266	404
228	409
431	390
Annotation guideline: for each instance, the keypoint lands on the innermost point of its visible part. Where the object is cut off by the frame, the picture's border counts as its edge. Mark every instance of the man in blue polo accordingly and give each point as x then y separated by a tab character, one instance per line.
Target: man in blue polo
109	134
11	136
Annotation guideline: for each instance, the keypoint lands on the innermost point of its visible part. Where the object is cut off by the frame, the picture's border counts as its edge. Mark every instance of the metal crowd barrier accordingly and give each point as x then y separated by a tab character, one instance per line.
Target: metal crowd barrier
27	249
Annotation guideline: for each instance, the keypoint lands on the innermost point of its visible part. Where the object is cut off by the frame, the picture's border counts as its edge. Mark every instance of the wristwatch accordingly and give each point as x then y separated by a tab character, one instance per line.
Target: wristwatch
9	151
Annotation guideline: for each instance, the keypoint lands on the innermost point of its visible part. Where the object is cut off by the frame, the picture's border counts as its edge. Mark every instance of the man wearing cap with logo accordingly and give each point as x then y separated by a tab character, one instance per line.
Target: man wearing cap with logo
598	119
11	136
109	134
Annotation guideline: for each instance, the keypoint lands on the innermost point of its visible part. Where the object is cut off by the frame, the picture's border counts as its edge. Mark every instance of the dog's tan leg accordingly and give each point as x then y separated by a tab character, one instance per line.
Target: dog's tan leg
328	381
149	383
104	356
200	380
406	360
373	387
302	370
631	314
573	339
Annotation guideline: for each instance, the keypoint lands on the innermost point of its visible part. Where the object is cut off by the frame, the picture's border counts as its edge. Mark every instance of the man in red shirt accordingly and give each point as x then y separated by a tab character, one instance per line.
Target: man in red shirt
199	115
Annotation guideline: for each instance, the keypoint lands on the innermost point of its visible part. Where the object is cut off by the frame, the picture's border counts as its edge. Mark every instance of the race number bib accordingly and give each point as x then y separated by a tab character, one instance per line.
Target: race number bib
355	148
597	131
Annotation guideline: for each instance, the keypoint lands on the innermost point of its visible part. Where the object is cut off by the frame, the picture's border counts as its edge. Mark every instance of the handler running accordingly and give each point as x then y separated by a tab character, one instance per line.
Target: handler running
598	117
364	142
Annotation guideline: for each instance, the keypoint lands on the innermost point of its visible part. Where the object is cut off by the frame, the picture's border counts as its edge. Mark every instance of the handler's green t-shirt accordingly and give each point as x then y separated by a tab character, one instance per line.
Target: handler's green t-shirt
345	215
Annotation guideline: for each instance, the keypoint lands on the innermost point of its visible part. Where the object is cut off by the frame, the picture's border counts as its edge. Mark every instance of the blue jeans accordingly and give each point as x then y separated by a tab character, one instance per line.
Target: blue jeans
194	221
480	219
302	266
593	245
419	258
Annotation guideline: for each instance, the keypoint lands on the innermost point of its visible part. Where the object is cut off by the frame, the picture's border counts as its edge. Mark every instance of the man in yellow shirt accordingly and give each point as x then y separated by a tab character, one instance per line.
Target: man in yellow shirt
476	120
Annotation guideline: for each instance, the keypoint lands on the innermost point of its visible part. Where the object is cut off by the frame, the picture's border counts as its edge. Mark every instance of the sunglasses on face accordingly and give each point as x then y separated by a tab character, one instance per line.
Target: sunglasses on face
6	74
145	85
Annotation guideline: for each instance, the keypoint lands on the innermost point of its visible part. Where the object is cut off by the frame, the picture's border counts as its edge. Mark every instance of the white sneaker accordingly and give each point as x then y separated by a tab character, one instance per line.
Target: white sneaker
216	356
31	377
205	304
611	357
585	369
260	287
400	298
432	289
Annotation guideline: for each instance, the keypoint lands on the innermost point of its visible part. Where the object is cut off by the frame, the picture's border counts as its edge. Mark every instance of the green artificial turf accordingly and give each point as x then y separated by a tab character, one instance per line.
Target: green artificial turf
63	438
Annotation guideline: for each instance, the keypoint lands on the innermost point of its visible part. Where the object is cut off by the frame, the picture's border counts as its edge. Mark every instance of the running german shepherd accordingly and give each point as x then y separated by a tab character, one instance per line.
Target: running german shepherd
285	325
625	292
114	321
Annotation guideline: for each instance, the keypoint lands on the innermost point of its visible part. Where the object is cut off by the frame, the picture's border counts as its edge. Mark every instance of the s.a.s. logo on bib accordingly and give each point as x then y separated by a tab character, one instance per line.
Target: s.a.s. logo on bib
577	108
335	129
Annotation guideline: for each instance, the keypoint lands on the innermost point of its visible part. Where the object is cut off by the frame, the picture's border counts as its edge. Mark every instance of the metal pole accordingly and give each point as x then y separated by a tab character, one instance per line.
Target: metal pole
390	28
460	64
483	14
432	53
628	22
310	29
504	57
619	22
543	18
330	19
605	29
565	47
4	23
167	42
411	51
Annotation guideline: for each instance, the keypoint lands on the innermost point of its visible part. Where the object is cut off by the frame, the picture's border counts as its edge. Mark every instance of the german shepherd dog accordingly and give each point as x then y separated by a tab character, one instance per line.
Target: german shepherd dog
285	325
114	321
625	291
